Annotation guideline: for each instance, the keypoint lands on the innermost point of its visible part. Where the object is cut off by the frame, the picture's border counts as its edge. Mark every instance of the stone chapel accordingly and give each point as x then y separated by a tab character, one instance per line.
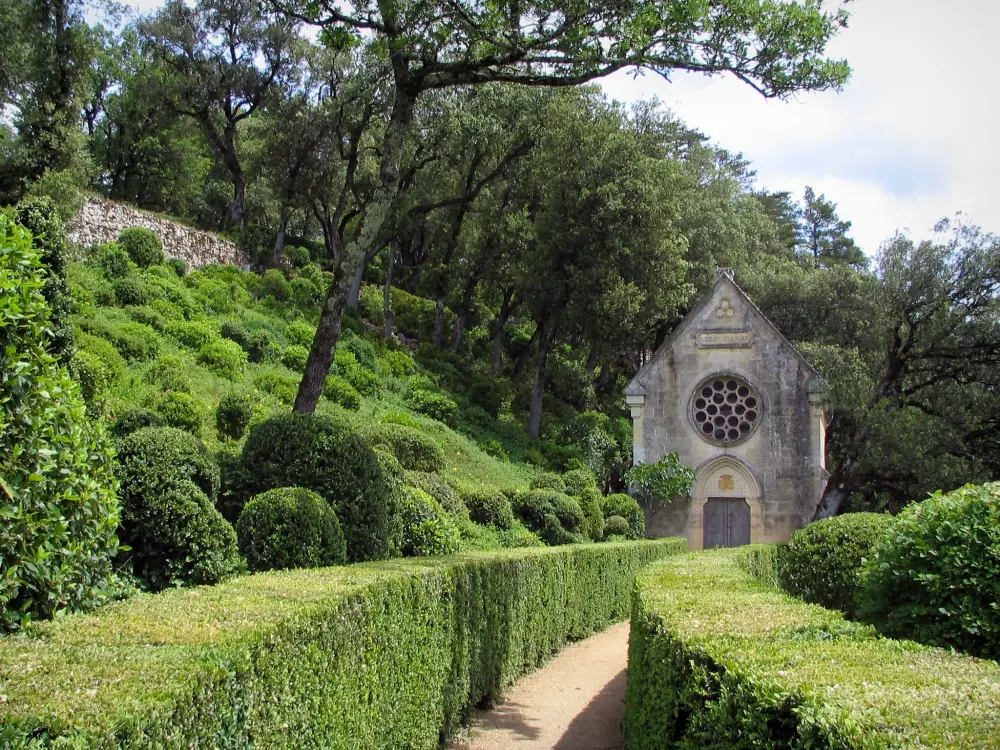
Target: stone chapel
740	404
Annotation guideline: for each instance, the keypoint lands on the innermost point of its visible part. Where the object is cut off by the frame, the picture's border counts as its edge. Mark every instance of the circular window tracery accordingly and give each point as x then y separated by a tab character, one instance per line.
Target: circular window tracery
725	409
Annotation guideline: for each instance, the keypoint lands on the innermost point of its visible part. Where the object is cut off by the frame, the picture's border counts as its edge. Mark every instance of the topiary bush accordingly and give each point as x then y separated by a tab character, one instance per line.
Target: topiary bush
822	563
176	265
434	405
169	519
301	333
490	508
576	481
112	261
273	284
327	457
435	486
548	481
304	293
294	357
339	391
130	291
192	333
282	387
134	341
256	342
427	529
290	527
57	489
96	366
397	364
233	415
170	372
223	357
615	526
143	246
590	502
623	505
936	577
412	448
180	410
555	517
134	419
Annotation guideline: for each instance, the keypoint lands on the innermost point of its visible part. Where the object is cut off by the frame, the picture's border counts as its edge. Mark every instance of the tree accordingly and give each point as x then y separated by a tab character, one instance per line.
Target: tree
784	212
776	47
824	236
221	61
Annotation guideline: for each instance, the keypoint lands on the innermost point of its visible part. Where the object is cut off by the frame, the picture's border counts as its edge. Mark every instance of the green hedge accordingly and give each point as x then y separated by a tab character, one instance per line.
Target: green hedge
720	659
379	655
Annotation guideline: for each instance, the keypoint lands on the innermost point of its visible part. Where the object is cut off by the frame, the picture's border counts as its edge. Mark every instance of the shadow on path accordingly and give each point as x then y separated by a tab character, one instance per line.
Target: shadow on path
509	718
598	726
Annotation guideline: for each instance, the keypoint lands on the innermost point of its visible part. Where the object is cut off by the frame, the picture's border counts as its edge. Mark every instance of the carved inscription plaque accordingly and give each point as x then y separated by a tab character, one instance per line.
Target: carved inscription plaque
725	339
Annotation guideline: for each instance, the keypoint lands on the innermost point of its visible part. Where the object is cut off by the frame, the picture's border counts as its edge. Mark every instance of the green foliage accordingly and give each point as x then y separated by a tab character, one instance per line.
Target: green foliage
143	246
590	502
96	366
936	577
435	486
392	655
130	291
339	391
170	373
427	528
134	341
663	481
177	266
282	387
548	481
113	261
397	364
304	293
576	481
327	457
615	526
194	333
297	256
256	342
490	508
233	415
434	405
147	315
625	506
290	527
294	357
169	520
59	510
223	357
555	517
273	284
822	563
134	419
413	449
180	410
719	659
301	333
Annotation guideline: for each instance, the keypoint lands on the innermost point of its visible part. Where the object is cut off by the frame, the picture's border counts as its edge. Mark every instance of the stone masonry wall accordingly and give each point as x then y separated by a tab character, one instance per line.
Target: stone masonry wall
102	220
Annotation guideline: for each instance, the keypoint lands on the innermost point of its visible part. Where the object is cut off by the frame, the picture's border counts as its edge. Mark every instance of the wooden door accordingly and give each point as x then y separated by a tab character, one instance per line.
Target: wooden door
727	522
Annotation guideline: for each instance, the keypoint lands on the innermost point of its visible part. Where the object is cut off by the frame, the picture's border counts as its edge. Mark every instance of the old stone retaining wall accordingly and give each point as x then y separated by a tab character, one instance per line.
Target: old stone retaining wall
102	220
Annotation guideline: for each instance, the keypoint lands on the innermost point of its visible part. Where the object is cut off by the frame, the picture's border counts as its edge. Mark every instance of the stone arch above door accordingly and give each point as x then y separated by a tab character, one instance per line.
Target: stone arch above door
725	476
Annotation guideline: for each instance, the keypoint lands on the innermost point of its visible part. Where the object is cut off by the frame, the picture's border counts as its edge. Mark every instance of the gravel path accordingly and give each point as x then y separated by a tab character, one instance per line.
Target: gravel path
575	702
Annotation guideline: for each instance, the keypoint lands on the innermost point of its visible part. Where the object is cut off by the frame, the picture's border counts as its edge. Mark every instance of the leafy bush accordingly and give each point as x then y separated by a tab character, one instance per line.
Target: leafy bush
233	415
294	357
552	515
663	481
427	529
273	284
547	481
304	293
435	486
290	527
590	503
143	246
300	333
134	341
96	366
434	405
147	315
718	659
339	391
130	291
490	508
283	387
363	351
180	410
169	519
194	333
822	563
112	261
256	342
615	526
133	420
297	256
59	510
177	266
327	457
576	481
394	655
397	364
625	506
170	373
412	448
936	577
223	357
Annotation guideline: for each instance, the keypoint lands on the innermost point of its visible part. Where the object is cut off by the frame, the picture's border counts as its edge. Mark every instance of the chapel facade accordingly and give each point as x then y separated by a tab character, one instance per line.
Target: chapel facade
736	401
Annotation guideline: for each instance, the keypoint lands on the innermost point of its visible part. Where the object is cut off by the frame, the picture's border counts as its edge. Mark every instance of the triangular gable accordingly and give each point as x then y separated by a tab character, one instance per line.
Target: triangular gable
637	386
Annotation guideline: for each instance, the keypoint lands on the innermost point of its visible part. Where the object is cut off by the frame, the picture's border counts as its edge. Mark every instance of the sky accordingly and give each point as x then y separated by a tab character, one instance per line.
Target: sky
913	137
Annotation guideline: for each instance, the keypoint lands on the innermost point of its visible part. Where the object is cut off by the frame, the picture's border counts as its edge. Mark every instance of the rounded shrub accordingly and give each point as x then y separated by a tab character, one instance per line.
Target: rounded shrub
327	457
547	481
590	502
170	373
434	405
615	526
133	420
294	357
435	486
365	382
490	508
96	366
576	481
555	517
339	391
134	341
296	256
290	527
273	284
304	293
169	519
176	265
233	415
822	563
180	410
623	505
112	260
59	493
427	529
412	448
301	333
282	387
143	246
256	342
223	357
397	364
147	315
130	290
935	578
192	333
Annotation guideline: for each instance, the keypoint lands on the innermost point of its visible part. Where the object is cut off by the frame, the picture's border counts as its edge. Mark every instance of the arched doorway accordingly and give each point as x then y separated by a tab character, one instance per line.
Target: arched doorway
727	507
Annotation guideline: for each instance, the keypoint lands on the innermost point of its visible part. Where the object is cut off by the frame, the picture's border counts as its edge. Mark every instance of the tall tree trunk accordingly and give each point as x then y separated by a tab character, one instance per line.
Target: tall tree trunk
354	295
522	358
357	253
237	208
439	323
458	333
538	388
279	240
498	330
387	293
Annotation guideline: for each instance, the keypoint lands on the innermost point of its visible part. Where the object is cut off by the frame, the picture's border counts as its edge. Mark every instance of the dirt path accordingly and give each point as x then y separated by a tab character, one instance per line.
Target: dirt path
575	702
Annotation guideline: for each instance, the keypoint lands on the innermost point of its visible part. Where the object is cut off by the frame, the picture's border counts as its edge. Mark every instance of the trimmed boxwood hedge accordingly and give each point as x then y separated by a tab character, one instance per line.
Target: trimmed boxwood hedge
380	655
720	659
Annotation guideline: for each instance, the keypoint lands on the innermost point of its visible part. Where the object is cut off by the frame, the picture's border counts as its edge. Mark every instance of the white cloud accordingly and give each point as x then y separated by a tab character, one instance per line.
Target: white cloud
912	138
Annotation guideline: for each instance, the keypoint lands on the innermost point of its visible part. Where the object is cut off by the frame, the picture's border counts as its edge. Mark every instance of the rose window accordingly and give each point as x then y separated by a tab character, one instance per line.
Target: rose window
726	409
